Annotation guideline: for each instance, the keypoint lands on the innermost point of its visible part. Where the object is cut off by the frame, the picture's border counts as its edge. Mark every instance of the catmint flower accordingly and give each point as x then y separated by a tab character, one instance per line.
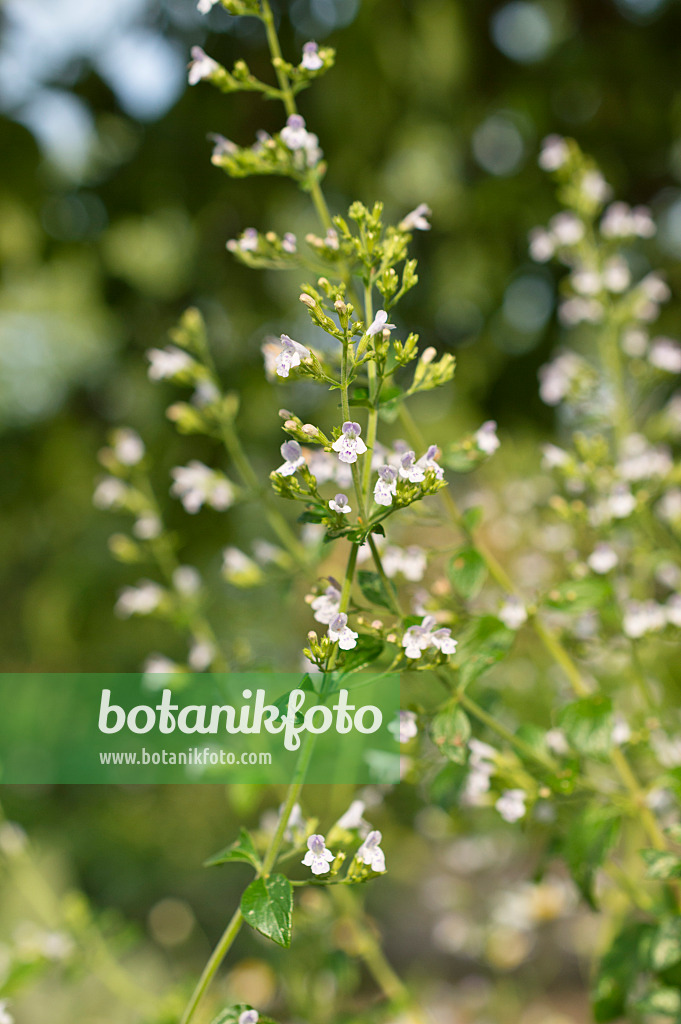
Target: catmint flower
386	485
340	504
542	245
166	363
370	852
586	282
294	458
379	324
5	1016
641	617
239	569
665	354
557	743
411	562
567	228
620	221
672	610
669	506
291	355
655	288
248	242
197	484
513	613
294	135
349	445
187	580
486	437
511	804
621	502
580	310
327	605
221	146
339	632
417	220
429	461
249	1017
201	66
289	242
418	639
557	377
158	664
616	275
404	727
602	559
206	6
311	60
109	493
318	858
410	468
554	153
621	733
140	600
128	446
553	457
147	526
595	187
352	820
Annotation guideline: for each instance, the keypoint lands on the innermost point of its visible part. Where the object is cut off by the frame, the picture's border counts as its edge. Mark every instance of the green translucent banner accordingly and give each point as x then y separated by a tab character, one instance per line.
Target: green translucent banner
176	728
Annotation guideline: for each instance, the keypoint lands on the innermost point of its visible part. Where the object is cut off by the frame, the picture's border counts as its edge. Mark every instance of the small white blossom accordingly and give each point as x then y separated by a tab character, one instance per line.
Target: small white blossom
147	526
620	221
311	60
349	445
326	606
109	493
655	288
567	228
553	457
294	135
197	484
602	559
221	146
291	355
340	633
352	820
411	562
672	610
370	852
554	153
669	506
557	743
166	363
417	220
513	613
418	639
621	733
486	437
595	187
557	377
542	245
410	469
128	446
511	804
206	6
386	486
318	858
586	282
665	354
289	242
635	343
379	323
404	727
187	580
201	66
5	1016
580	310
239	569
616	275
140	600
340	504
249	1017
158	664
621	502
641	617
292	453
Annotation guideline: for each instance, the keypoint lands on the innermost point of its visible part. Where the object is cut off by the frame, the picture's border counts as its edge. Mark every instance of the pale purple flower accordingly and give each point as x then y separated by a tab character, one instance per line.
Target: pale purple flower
340	633
418	639
602	559
295	135
404	728
201	66
513	613
370	852
327	605
166	363
641	617
410	469
379	324
349	445
289	242
429	462
197	484
249	1017
293	457
417	220
554	153
222	146
318	858
292	352
340	504
311	60
386	486
511	804
352	820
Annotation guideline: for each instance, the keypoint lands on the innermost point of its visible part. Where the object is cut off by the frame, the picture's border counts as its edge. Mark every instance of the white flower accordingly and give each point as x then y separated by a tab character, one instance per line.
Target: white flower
655	288
311	60
370	852
349	445
222	146
128	446
486	437
586	282
352	820
567	228
621	502
201	66
187	580
669	506
417	220
673	610
418	639
410	468
339	632
147	526
557	377
140	600
595	187
340	504
542	245
554	153
318	858
249	1017
248	242
295	135
621	733
635	342
553	457
513	613
580	310
641	617
292	453
557	742
166	363
239	569
379	324
616	275
511	804
109	493
327	605
620	221
291	354
196	484
206	6
602	559
289	242
665	354
386	485
404	727
429	461
411	562
5	1016
158	664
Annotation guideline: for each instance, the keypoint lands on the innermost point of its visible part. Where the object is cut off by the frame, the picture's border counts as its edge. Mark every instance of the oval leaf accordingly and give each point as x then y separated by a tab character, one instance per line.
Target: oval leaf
267	906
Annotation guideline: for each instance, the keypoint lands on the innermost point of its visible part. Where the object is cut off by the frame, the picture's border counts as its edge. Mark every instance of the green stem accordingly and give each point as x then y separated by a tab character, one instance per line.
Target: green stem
372	422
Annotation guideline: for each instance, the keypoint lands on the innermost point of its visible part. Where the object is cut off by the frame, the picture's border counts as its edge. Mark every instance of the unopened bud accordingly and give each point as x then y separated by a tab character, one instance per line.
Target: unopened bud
309	429
308	300
428	355
290	425
340	306
285	414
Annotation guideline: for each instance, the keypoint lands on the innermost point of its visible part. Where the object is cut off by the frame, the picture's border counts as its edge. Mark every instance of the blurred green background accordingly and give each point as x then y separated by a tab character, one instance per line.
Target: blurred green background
112	221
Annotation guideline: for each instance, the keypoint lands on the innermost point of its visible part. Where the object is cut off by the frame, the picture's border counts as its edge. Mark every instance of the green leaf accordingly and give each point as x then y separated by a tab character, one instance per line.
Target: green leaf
618	972
450	731
472	517
665	946
661	865
589	840
483	644
467	572
579	595
374	589
231	1015
267	906
587	724
366	650
666	1002
242	849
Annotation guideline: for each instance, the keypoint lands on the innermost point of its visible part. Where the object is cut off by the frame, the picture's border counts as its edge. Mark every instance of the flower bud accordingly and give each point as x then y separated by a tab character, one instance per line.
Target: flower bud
308	300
